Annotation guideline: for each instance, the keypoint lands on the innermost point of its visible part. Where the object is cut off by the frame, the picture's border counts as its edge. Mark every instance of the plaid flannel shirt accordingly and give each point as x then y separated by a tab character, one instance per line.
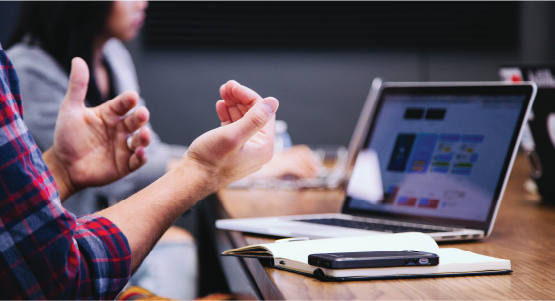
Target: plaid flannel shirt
45	251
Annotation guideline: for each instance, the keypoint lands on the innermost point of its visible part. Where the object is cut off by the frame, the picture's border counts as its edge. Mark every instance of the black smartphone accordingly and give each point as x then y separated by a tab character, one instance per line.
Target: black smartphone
373	259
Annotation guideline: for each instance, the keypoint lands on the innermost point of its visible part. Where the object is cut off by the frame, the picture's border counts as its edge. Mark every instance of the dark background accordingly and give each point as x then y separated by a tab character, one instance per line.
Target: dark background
318	59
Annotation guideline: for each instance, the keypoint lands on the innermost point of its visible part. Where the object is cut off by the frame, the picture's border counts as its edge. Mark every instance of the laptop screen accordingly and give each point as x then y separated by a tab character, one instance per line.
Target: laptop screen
438	154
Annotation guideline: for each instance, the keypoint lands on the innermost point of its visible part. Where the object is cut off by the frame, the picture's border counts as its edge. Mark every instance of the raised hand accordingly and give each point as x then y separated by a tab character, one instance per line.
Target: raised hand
243	143
90	144
297	162
236	101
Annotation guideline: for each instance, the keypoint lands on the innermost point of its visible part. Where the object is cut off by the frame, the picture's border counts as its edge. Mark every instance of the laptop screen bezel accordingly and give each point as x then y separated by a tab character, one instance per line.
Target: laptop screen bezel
461	89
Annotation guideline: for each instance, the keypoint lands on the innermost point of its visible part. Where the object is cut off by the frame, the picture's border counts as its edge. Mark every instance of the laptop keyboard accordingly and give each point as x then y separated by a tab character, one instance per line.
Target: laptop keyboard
372	226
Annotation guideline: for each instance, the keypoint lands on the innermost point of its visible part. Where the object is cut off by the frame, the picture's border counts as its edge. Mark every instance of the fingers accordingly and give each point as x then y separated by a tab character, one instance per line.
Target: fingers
235	113
308	168
141	138
231	105
305	167
305	154
78	83
136	119
297	161
122	104
234	93
242	94
301	172
223	112
223	92
228	115
257	118
138	158
139	141
115	115
238	99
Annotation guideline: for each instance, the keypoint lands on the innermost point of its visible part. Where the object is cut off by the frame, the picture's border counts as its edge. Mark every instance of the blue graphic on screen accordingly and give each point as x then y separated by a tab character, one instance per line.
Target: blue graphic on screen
422	153
401	152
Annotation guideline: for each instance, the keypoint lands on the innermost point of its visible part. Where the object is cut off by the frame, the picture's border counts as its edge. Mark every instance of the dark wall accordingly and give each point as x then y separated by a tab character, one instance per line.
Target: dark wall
8	17
321	92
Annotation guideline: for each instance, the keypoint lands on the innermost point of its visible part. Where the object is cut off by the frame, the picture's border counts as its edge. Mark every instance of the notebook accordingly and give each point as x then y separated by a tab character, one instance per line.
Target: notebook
435	158
293	256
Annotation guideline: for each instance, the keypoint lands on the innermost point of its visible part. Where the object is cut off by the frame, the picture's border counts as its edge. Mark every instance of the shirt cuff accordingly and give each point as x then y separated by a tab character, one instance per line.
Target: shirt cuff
105	256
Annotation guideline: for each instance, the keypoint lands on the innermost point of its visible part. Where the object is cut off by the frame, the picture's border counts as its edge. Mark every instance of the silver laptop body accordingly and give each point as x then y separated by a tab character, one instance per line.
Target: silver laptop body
430	157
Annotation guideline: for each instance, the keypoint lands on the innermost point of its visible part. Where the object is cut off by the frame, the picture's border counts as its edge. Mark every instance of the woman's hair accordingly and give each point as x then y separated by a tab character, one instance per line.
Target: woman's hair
65	30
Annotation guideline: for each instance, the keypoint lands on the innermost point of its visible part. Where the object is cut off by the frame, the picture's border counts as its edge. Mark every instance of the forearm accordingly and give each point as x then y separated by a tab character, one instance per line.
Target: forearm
145	216
61	177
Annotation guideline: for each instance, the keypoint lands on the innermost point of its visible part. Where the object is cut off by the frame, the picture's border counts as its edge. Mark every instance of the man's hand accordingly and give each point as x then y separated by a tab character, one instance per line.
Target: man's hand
90	144
243	143
297	162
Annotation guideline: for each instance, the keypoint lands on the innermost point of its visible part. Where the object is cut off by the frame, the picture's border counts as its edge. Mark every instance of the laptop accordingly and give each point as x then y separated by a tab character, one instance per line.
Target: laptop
435	158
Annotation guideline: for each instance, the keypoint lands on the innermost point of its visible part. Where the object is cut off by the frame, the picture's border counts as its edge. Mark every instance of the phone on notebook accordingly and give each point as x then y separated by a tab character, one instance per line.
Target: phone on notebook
373	259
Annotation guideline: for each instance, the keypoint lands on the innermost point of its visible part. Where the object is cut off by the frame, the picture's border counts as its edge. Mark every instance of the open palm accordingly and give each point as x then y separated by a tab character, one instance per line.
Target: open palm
91	143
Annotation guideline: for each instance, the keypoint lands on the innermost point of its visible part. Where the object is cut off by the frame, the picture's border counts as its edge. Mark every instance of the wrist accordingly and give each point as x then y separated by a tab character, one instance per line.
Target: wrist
60	175
203	179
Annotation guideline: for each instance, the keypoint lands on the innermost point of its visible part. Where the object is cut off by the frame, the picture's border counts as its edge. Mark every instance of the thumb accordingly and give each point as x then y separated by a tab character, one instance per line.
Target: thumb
255	120
78	83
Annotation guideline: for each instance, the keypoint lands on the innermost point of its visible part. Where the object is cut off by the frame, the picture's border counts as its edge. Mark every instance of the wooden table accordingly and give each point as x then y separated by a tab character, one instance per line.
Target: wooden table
524	232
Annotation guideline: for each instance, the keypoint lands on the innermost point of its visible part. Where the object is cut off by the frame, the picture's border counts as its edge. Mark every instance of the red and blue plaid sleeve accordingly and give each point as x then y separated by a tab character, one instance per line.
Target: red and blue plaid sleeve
45	251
